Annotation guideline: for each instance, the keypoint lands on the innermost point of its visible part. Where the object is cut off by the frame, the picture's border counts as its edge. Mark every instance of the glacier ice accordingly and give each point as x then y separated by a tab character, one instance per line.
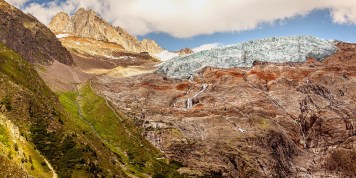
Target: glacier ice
276	49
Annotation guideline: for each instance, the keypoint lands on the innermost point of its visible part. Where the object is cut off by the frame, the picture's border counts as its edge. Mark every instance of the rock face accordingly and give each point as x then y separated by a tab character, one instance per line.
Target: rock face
30	38
277	49
185	51
270	120
86	23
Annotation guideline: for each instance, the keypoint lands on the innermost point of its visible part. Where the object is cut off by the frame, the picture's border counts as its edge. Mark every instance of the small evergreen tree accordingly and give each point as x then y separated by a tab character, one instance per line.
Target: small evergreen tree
7	103
9	155
16	147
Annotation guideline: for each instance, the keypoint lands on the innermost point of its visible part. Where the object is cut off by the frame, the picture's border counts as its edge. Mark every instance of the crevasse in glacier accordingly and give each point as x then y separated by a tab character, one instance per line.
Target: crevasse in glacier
276	49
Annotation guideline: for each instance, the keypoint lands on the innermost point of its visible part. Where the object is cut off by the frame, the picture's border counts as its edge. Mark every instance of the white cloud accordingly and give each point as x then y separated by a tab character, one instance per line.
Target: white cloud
206	47
17	3
187	18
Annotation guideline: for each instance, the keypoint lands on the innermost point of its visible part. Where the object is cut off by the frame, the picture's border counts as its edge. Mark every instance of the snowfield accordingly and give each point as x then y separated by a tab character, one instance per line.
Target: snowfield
276	49
166	55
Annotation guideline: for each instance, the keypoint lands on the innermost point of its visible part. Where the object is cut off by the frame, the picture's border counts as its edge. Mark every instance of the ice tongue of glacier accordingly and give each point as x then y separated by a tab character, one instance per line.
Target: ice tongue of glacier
276	49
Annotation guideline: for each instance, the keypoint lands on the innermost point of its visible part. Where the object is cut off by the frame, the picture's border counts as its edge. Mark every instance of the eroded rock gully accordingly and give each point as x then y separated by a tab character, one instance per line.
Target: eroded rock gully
297	119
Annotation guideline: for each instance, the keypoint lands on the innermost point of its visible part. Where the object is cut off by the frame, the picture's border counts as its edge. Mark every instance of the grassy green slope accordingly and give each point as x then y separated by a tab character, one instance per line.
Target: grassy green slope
79	134
19	152
27	102
117	132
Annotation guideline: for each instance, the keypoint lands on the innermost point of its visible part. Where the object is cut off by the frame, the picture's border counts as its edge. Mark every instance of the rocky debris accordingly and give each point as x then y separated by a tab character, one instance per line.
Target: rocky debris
276	49
30	38
91	47
298	118
87	24
106	58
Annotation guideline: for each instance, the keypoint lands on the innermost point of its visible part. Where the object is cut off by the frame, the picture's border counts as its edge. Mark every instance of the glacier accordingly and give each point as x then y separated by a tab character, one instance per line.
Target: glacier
275	49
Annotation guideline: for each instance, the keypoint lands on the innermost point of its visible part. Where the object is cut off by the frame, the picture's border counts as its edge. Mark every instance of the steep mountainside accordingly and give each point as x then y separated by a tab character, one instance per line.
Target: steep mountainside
86	23
29	105
80	135
290	117
67	134
38	43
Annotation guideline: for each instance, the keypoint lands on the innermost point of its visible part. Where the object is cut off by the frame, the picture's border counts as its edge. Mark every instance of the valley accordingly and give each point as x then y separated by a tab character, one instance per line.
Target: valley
84	98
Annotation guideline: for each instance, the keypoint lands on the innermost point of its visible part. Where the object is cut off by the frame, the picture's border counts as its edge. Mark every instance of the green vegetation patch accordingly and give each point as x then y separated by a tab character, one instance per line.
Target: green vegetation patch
117	132
36	111
79	135
6	101
4	136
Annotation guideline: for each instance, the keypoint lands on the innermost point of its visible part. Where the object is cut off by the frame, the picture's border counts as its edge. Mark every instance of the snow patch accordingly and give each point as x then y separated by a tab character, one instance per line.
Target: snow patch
111	57
206	47
276	49
166	55
241	130
62	35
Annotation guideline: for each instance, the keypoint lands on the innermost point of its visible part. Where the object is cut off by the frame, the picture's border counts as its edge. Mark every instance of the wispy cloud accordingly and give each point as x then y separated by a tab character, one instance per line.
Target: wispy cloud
187	18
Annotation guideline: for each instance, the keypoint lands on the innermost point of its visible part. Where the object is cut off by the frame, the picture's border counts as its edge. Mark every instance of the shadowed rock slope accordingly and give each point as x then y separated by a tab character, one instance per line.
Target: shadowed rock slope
29	37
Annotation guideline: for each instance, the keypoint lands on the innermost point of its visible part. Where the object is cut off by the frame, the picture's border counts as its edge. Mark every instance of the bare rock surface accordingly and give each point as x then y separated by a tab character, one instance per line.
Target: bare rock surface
60	77
87	24
89	46
184	51
270	120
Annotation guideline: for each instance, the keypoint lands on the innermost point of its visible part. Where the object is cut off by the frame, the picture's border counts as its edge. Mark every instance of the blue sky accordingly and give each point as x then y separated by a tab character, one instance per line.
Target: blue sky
318	23
177	24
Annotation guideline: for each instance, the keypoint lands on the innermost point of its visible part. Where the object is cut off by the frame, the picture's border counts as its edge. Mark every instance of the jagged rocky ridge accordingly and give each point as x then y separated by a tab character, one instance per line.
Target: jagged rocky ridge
88	24
38	43
276	49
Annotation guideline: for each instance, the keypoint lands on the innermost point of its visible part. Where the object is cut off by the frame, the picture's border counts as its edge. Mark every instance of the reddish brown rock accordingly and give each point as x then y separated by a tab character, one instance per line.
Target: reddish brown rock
273	120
